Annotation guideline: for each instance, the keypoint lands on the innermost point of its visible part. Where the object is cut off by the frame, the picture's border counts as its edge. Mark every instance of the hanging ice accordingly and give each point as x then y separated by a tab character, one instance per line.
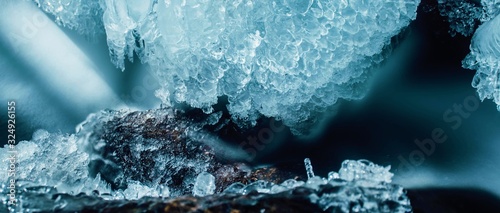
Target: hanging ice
287	59
485	55
204	185
464	16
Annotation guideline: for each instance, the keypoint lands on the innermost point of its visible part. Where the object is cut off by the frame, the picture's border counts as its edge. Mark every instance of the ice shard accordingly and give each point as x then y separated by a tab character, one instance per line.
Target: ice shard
288	59
204	185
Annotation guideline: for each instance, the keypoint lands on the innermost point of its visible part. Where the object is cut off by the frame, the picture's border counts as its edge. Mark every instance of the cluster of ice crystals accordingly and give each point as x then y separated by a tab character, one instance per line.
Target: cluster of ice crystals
84	16
289	59
464	16
53	160
491	8
364	170
359	186
485	59
58	162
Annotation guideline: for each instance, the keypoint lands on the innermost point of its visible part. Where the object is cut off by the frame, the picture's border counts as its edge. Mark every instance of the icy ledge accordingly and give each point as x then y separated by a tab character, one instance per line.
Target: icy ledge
289	59
118	156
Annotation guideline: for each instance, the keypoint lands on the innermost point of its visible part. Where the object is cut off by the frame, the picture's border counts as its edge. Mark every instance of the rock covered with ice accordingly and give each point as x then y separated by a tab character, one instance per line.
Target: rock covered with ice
287	59
343	193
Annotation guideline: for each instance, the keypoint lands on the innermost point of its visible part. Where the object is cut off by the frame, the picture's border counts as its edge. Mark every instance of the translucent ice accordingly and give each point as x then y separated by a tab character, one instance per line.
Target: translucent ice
84	16
309	168
464	16
204	185
286	59
485	59
53	160
359	186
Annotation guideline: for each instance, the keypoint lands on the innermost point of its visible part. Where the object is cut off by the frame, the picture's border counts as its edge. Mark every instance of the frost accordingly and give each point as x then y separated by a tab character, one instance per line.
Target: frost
359	186
204	185
286	59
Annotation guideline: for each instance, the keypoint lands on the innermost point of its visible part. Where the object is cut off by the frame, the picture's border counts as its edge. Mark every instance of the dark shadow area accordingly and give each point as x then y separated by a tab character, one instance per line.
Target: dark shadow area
452	200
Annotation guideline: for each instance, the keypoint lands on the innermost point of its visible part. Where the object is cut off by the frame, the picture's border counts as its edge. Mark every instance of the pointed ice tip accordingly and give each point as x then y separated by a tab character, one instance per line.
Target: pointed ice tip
309	168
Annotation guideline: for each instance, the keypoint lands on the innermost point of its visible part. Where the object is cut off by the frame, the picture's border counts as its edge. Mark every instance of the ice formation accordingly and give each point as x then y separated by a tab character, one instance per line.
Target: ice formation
485	59
53	160
359	186
287	59
464	16
485	53
84	16
116	155
204	185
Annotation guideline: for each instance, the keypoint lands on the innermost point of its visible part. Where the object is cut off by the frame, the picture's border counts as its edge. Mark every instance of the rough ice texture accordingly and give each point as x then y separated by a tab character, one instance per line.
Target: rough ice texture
485	59
464	16
84	16
287	59
353	194
129	155
53	160
359	186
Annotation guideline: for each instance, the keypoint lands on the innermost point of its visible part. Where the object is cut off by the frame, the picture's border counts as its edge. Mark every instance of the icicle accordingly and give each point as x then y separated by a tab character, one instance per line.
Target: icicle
309	168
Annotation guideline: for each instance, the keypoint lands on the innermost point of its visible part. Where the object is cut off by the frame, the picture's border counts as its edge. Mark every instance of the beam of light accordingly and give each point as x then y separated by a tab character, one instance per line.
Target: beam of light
56	61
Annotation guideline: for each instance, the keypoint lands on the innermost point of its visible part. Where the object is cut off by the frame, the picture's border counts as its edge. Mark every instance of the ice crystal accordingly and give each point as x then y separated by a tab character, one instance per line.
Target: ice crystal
359	186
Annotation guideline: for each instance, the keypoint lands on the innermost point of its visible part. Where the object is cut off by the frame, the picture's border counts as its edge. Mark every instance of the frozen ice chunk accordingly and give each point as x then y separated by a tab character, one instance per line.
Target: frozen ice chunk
289	59
364	170
204	185
485	59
